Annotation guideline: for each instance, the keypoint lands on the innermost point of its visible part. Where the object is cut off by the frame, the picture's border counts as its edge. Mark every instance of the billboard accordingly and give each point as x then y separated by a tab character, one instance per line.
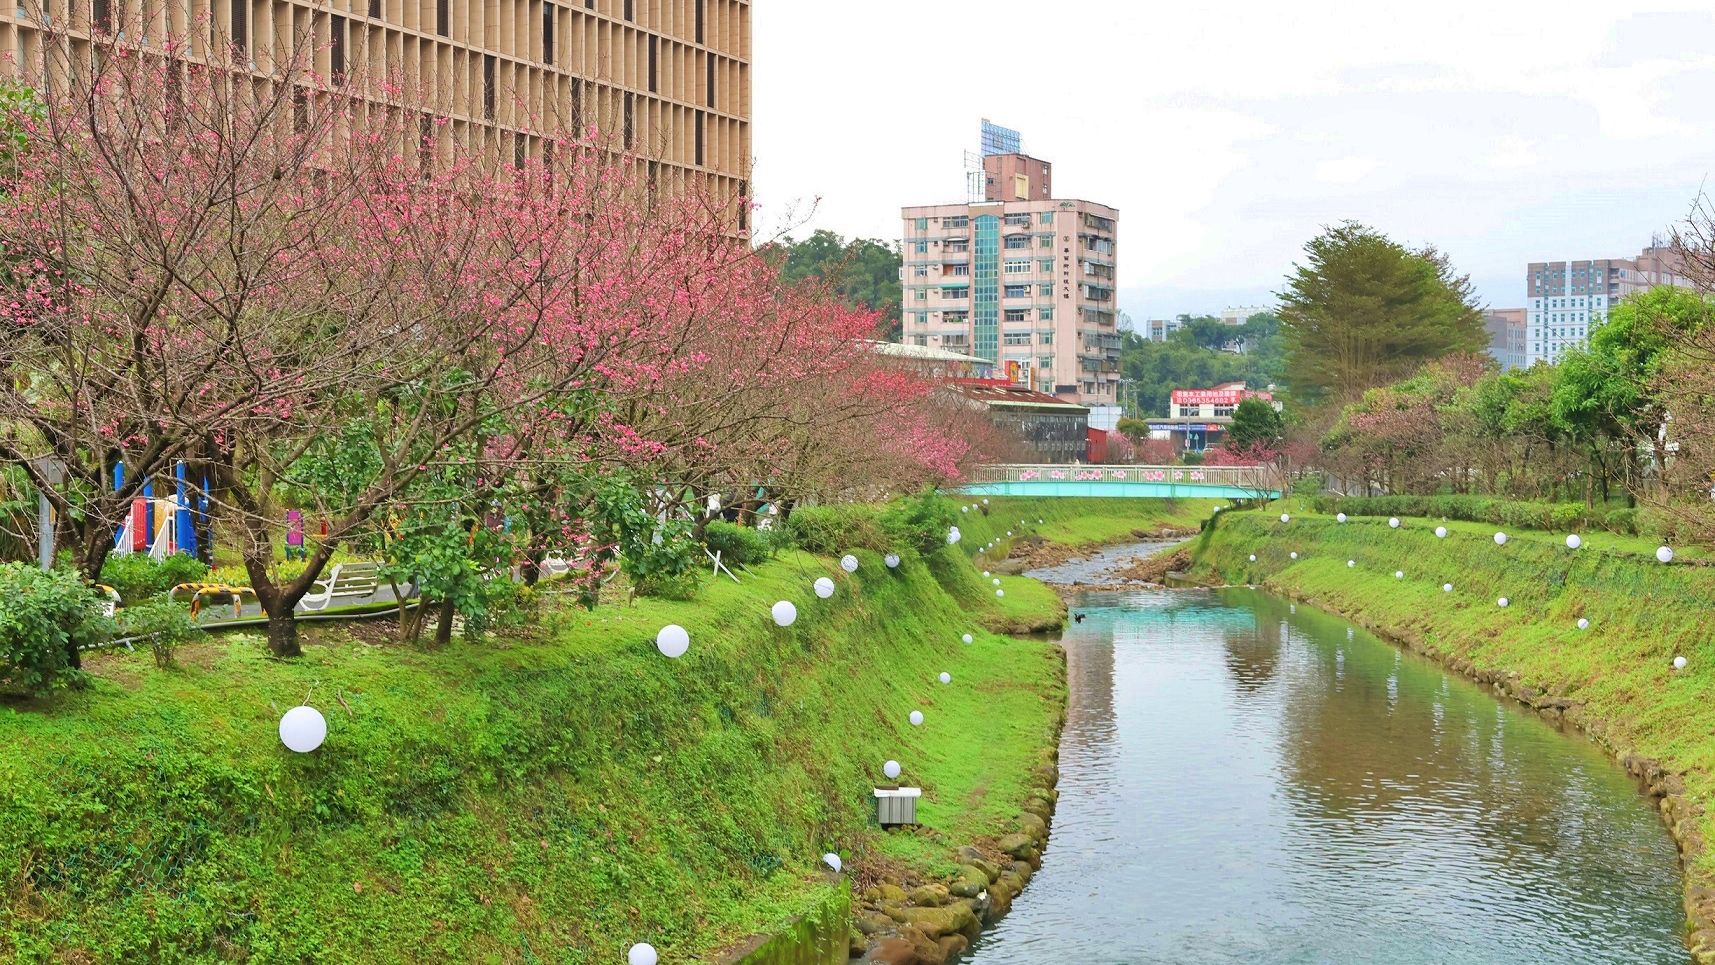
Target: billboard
1216	396
1000	140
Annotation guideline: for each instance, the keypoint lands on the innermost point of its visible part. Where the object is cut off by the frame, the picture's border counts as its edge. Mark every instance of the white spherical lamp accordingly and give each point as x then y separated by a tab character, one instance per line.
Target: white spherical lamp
1294	554
1447	588
1351	564
953	537
1399	574
946	677
1583	624
1000	593
302	729
916	718
1393	522
985	574
1039	522
891	769
784	613
824	587
673	641
1574	541
1500	539
1339	517
832	861
1665	554
964	509
892	561
1253	557
995	581
1503	602
848	563
1679	663
985	502
967	638
1440	532
1285	517
642	953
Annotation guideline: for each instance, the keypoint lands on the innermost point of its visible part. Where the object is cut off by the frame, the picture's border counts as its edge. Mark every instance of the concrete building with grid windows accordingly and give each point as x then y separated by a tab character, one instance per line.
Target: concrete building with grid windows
1568	299
670	79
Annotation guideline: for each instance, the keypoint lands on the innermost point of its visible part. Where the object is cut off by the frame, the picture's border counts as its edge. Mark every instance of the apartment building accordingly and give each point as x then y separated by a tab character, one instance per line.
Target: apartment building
670	79
1507	336
1567	299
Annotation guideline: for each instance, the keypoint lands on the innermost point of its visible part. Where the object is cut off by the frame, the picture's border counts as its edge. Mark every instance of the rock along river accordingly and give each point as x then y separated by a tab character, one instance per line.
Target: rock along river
1246	781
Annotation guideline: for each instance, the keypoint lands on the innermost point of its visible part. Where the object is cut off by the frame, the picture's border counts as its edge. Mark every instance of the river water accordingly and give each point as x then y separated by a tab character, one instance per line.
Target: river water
1243	780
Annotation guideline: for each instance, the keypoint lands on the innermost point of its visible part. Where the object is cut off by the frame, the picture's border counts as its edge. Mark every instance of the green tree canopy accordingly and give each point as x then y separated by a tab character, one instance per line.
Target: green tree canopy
1363	310
864	271
1255	424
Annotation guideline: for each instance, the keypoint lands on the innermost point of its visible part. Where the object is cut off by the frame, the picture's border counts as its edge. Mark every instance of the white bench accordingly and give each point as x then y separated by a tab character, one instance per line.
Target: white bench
346	580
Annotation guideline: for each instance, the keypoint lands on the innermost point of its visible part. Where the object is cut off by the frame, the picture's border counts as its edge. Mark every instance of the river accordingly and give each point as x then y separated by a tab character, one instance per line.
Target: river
1243	780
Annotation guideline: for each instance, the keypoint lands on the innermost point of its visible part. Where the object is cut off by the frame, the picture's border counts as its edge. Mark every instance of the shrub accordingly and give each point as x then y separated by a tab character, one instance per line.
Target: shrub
137	576
162	625
833	530
1191	458
738	545
505	604
919	522
44	616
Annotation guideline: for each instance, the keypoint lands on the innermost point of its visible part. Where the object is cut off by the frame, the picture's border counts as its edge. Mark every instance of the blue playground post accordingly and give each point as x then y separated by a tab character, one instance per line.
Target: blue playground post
184	531
118	481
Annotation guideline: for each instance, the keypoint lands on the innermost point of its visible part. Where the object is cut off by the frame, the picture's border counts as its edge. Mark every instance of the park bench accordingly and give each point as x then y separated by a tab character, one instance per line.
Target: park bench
347	580
200	593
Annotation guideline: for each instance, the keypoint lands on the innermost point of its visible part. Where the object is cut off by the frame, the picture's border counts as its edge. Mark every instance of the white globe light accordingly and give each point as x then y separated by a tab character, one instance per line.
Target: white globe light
985	574
917	718
1583	624
642	953
1503	601
1393	522
303	729
785	614
1399	574
832	860
891	769
1009	532
1285	518
966	638
946	677
1339	517
1447	588
1679	663
964	509
1039	522
953	537
848	563
891	560
1253	557
1574	541
1294	554
985	502
995	581
673	641
1000	593
1665	554
1351	563
1500	539
1440	532
824	587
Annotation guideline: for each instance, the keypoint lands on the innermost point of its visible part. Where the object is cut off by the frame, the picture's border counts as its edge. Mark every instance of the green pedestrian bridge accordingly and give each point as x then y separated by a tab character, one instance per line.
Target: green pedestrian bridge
1128	482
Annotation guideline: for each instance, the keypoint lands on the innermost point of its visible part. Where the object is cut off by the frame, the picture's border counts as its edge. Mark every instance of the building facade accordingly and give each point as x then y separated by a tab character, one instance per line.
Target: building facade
1158	329
1567	299
1051	430
1027	284
1238	315
668	78
1507	336
1198	418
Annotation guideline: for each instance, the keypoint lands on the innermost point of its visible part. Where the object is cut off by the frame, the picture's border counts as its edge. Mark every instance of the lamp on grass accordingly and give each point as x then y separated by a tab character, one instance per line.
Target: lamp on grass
673	641
785	613
824	587
1285	517
1294	554
891	769
1399	574
1679	663
1574	541
1440	532
892	561
848	563
832	860
1000	593
1350	564
1393	522
1583	624
1447	588
1339	517
1500	539
302	729
642	953
1665	554
1503	603
966	638
916	718
946	677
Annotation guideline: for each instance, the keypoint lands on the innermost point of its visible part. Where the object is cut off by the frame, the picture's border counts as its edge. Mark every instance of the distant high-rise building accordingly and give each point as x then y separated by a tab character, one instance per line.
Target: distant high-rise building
1242	313
1569	298
1021	279
1158	329
1506	328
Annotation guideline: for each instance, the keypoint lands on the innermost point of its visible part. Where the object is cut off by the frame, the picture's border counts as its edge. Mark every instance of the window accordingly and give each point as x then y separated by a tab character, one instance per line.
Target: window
630	131
955	318
1017	242
488	65
711	77
548	33
443	17
922	294
241	25
1047	265
922	224
698	156
1015	338
921	318
1046	241
921	271
1017	314
1045	314
957	271
336	50
1017	291
1221	410
922	247
964	292
956	221
1046	291
1018	267
654	85
1046	217
630	13
591	5
1046	338
1018	219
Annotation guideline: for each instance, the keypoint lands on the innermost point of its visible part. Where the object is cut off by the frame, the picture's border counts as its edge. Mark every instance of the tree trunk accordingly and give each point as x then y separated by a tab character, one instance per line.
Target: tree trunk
444	631
283	633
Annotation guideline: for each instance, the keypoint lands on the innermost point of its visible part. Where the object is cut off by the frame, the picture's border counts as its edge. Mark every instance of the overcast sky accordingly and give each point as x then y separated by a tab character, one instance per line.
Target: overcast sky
1502	131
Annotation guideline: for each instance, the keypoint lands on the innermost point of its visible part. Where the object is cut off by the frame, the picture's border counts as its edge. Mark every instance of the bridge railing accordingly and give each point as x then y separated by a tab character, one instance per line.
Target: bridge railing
1260	478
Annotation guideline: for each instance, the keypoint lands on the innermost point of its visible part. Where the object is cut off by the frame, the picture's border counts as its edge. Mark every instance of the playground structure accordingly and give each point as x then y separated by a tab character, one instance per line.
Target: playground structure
159	527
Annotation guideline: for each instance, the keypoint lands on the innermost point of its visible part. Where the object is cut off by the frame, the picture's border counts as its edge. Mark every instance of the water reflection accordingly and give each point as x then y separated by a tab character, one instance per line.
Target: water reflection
1242	782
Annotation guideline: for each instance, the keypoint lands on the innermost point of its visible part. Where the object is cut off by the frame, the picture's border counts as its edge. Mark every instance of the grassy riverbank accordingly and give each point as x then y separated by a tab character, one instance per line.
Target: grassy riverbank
550	797
1614	679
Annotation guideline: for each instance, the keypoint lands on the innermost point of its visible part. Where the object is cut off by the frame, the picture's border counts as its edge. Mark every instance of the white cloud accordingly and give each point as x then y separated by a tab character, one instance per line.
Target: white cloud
1512	152
1346	170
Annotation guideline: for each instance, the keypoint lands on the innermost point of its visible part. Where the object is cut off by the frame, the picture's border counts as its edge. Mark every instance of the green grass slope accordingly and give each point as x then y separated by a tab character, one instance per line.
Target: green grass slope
551	798
1617	676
